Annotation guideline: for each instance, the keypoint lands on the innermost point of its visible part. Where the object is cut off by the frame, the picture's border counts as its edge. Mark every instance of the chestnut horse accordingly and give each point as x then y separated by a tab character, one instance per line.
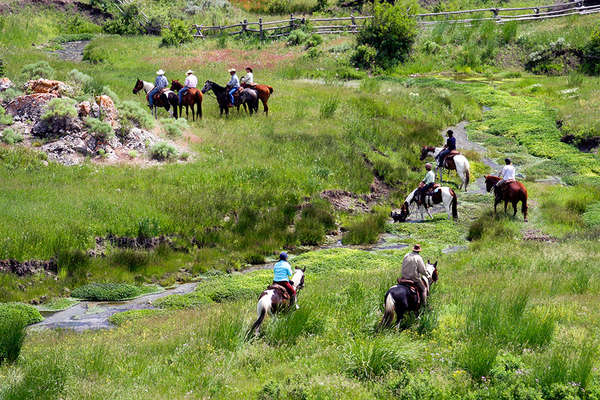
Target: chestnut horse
512	191
264	92
193	97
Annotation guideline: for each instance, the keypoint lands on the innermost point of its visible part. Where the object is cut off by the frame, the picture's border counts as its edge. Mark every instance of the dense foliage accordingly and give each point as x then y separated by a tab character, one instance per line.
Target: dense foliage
109	291
591	53
177	33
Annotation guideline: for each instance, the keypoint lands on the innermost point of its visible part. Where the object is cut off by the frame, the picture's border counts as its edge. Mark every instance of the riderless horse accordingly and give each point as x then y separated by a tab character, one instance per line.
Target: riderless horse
166	98
263	91
404	297
441	194
512	191
193	97
453	161
274	299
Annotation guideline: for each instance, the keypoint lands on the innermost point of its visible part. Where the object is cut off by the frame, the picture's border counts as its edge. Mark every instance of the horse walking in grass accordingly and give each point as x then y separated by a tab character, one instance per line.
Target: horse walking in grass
192	98
273	300
444	195
511	191
453	161
166	99
403	298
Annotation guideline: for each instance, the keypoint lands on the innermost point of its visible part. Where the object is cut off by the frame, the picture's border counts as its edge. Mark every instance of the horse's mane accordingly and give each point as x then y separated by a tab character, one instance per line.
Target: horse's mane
410	197
215	84
492	178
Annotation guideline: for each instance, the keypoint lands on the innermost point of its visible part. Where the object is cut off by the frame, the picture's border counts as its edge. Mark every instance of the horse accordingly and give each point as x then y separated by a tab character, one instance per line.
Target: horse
271	301
512	191
166	99
248	97
193	97
455	161
264	92
400	298
221	94
443	194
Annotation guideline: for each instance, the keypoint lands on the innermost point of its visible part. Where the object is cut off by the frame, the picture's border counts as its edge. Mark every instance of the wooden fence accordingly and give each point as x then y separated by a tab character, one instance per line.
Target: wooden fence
352	24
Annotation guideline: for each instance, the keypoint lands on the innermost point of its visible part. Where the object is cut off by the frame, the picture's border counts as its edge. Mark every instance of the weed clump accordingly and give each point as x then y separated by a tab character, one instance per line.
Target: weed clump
131	112
37	70
174	128
328	107
60	108
365	229
100	130
5	119
489	225
12	335
163	151
10	136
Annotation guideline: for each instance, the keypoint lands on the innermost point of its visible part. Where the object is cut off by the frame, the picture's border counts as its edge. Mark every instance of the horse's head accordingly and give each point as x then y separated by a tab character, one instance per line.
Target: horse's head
490	181
176	85
207	86
432	270
298	278
425	150
139	85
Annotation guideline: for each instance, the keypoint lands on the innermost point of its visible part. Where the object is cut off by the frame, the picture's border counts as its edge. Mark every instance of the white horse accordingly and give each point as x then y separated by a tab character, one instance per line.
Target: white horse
461	165
271	301
147	87
444	195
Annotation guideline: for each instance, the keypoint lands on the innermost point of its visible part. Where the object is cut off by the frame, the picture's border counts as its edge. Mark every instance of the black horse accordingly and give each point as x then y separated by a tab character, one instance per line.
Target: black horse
221	94
400	298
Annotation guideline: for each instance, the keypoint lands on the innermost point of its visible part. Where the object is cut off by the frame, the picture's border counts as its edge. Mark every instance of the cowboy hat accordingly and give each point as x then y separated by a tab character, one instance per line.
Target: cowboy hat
160	72
231	70
428	166
189	72
417	248
249	68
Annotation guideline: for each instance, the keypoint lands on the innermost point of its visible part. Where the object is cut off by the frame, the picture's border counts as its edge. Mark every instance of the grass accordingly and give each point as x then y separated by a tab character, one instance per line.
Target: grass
111	291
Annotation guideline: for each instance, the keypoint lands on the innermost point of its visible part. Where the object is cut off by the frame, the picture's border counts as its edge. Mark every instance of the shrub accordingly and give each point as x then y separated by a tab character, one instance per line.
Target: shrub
10	136
126	23
134	260
60	108
106	291
591	53
313	41
73	262
391	32
5	119
177	33
174	127
365	229
163	151
24	312
79	78
509	31
315	219
200	6
100	130
431	47
148	228
154	26
37	70
134	112
363	56
328	107
296	37
12	335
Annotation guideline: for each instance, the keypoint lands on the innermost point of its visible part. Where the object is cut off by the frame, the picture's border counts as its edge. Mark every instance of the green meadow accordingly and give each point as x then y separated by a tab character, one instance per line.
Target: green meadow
515	312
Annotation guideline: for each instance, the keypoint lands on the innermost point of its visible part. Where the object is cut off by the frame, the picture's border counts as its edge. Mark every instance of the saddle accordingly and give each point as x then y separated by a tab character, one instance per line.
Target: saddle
282	290
249	85
160	93
449	159
410	285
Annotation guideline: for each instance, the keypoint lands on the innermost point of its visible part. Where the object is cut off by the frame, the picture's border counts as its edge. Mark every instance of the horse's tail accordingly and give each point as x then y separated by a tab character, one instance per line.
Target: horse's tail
261	310
524	202
467	177
389	308
270	89
454	203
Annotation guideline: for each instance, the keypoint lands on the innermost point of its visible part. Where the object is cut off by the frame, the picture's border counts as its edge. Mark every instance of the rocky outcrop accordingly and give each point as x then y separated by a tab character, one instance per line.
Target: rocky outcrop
57	127
5	83
29	107
49	86
28	267
108	110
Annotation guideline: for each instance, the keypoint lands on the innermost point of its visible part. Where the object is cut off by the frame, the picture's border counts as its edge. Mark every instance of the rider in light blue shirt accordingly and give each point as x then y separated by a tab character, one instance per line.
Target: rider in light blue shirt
160	83
234	84
282	272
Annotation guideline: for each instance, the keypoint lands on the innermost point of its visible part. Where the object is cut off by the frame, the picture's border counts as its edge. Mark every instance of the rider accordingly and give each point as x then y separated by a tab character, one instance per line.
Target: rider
450	146
160	83
190	82
413	269
248	79
282	272
427	183
234	85
507	174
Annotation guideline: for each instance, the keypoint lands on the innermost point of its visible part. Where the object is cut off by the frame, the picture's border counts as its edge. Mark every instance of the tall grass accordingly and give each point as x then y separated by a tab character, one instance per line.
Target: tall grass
12	335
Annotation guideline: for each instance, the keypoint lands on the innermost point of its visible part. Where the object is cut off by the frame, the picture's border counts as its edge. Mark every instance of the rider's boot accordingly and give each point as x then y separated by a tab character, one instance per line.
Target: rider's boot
295	302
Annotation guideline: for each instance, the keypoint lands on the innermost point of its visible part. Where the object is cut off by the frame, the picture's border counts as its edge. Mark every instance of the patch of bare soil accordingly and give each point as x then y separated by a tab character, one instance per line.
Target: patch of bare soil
538	236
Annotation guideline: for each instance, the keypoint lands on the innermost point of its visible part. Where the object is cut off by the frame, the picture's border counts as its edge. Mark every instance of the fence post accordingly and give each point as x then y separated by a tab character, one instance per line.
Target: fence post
536	11
291	22
495	11
245	26
260	29
354	29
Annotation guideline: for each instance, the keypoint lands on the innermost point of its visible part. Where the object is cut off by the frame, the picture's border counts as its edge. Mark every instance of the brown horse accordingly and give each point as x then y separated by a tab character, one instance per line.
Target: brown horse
193	97
512	191
264	92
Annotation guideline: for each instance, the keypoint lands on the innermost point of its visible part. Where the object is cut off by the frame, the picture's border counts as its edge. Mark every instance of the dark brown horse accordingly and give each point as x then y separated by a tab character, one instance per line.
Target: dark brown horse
193	97
512	191
264	92
165	98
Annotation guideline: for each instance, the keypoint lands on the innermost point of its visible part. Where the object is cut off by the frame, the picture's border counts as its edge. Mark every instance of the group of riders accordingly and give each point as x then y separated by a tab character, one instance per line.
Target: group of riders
191	82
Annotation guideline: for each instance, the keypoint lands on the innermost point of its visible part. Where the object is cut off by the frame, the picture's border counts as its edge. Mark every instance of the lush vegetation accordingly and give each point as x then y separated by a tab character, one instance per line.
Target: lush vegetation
110	291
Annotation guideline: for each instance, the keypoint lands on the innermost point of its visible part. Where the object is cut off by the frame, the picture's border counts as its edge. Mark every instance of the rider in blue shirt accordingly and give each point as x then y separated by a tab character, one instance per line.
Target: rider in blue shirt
160	83
450	146
282	272
234	85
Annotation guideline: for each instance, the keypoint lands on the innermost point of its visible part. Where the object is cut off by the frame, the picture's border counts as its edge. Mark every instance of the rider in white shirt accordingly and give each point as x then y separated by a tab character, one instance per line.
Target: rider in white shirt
507	174
190	82
248	79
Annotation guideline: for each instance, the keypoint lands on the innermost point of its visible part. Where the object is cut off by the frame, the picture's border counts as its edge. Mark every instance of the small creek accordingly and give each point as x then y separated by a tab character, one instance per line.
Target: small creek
71	51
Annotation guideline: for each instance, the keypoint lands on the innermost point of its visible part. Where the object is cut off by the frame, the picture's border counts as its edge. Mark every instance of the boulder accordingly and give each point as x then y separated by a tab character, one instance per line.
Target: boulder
48	86
28	267
109	110
57	127
5	83
29	107
138	139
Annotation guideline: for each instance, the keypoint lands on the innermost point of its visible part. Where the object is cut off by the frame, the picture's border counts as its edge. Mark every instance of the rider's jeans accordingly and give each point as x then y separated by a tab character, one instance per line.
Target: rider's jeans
151	96
182	92
231	92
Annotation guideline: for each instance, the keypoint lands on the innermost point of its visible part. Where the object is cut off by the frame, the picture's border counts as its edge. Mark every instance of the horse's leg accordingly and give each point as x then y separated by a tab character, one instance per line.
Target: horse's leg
265	106
514	204
429	212
524	208
505	205
496	202
199	106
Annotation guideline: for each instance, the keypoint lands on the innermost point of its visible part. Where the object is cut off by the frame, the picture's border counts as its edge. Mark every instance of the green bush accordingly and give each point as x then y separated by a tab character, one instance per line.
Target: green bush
23	312
591	53
99	129
313	41
163	151
60	108
5	119
76	24
328	107
10	136
509	31
174	128
363	56
177	33
591	216
315	220
108	291
391	32
127	23
79	78
12	335
365	229
368	360
296	37
133	112
37	70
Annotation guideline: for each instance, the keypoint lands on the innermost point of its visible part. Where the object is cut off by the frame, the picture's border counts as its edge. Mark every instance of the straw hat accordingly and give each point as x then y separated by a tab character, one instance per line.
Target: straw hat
417	248
189	72
231	70
428	166
160	72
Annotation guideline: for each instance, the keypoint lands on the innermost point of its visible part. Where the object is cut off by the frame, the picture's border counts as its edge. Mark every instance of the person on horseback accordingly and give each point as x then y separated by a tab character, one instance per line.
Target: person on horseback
507	174
248	79
413	269
282	272
160	83
426	184
234	85
190	82
450	146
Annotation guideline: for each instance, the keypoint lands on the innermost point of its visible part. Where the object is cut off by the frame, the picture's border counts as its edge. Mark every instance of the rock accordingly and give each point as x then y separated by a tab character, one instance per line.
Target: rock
28	267
84	109
109	110
5	83
57	127
49	86
29	107
68	150
138	139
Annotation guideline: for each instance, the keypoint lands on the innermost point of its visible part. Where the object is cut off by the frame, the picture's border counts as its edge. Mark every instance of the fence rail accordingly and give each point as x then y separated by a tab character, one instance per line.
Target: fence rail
354	23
